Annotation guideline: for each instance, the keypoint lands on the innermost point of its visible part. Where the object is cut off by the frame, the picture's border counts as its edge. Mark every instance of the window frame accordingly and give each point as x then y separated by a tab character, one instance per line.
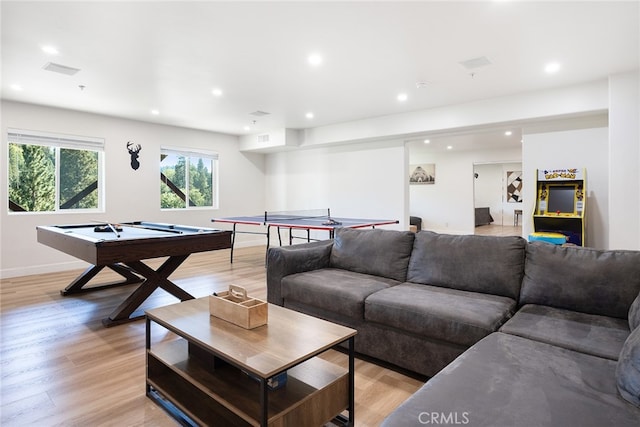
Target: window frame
59	141
190	153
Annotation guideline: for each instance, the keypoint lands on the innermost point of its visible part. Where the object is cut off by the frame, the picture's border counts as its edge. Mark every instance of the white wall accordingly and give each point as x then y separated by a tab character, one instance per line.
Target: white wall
448	205
355	180
624	161
130	194
583	148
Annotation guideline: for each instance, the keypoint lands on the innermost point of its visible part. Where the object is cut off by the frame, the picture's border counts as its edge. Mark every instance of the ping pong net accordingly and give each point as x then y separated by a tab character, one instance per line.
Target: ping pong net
296	215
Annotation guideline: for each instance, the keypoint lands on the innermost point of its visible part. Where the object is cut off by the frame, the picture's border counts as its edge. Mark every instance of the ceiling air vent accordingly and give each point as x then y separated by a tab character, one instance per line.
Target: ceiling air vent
263	138
62	69
471	64
259	113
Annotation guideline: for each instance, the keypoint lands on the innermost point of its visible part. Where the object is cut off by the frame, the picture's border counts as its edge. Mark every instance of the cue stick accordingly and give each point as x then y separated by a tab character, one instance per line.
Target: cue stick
168	230
113	229
108	225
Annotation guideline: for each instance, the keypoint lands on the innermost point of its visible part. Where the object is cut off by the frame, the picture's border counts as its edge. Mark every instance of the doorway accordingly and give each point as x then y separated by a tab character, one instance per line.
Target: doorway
497	198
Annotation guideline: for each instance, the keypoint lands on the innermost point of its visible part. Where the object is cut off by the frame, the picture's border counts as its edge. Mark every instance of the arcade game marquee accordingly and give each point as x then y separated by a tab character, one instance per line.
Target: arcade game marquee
559	215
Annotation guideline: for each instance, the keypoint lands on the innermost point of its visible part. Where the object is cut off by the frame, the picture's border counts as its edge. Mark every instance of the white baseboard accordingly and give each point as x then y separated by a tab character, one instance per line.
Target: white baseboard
42	269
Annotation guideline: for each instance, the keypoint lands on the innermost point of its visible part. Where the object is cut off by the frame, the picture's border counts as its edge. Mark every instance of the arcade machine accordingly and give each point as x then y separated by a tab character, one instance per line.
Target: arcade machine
559	215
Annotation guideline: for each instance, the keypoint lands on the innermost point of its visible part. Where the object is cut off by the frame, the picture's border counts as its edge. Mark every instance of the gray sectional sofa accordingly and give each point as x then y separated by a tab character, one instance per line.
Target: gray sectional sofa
512	333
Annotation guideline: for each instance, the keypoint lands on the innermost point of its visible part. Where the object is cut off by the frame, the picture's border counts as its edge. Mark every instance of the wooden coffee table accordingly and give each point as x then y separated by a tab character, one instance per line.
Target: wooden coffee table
211	372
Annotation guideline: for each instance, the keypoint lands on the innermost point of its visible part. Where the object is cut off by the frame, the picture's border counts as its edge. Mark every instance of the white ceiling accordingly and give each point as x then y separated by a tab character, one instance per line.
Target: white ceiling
138	56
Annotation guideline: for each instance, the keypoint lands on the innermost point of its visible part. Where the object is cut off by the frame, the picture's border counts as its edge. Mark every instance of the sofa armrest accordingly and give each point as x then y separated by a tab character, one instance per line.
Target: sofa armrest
285	260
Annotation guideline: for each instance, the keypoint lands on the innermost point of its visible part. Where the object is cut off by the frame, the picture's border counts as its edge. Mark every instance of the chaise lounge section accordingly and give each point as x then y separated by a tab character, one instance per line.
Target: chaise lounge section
506	380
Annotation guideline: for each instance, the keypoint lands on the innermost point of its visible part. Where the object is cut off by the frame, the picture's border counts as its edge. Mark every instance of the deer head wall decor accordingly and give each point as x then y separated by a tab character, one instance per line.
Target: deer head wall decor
134	149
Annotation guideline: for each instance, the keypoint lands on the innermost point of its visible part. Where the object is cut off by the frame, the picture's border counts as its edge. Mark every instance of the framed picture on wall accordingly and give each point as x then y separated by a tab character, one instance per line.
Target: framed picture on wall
514	186
424	173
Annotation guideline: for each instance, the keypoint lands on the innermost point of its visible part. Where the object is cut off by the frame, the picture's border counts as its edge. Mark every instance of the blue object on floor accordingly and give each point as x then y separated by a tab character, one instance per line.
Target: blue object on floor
543	236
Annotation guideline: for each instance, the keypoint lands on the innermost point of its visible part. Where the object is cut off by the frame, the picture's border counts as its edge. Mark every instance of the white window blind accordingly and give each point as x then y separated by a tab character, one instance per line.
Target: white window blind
188	152
56	140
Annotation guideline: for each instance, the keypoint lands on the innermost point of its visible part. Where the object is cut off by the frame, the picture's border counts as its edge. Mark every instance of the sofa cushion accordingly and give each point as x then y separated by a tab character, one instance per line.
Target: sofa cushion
335	290
486	264
379	252
628	369
450	315
634	313
587	333
505	380
581	279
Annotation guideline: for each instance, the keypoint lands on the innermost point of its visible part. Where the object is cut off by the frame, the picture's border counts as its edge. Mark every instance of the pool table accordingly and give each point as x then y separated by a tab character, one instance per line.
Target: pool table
122	247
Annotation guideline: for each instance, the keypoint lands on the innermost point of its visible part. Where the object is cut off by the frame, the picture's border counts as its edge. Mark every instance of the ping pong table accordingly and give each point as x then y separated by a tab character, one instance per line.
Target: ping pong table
300	220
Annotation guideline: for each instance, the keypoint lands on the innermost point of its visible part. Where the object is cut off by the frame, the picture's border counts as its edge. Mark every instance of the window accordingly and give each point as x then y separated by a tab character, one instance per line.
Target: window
189	173
51	173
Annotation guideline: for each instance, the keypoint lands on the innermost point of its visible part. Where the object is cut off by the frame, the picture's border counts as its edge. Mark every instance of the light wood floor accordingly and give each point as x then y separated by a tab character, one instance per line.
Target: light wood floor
60	366
498	230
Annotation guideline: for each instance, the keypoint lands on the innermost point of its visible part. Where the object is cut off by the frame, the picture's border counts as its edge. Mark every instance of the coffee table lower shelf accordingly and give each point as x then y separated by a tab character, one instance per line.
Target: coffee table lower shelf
182	377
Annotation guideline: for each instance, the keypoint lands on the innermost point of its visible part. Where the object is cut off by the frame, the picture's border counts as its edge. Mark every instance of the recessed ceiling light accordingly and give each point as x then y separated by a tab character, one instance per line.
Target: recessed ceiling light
309	115
508	133
50	50
315	59
449	147
247	128
402	97
426	141
155	112
16	87
216	92
552	67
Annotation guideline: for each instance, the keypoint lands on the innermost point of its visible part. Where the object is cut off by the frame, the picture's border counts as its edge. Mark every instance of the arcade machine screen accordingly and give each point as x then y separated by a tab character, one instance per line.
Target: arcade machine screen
561	200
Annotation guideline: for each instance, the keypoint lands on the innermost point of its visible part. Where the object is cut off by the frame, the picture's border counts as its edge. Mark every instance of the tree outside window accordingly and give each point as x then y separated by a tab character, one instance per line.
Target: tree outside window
31	178
187	173
54	175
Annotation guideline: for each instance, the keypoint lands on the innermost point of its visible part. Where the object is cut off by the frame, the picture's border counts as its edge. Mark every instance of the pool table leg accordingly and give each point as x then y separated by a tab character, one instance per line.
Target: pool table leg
77	286
154	279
